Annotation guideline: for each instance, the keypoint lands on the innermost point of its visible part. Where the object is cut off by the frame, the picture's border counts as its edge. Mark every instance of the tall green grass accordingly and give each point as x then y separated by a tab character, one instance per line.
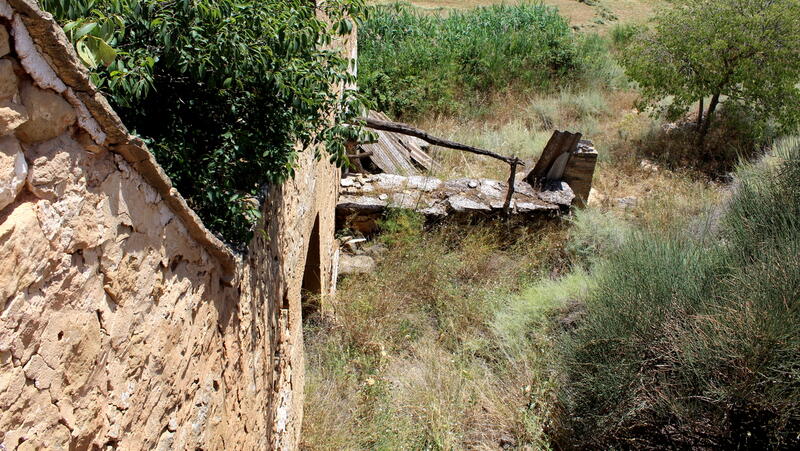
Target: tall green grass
412	62
692	341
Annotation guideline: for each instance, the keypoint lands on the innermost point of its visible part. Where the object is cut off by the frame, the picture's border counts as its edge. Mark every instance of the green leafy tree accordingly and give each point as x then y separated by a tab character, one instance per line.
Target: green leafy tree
224	92
743	51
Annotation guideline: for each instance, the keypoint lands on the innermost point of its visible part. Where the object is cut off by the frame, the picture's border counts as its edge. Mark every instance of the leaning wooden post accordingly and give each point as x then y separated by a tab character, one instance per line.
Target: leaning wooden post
511	181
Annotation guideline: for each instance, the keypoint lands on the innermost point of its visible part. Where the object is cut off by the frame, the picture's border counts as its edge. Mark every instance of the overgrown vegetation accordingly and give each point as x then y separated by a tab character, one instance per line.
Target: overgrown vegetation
669	320
224	91
691	340
412	63
433	351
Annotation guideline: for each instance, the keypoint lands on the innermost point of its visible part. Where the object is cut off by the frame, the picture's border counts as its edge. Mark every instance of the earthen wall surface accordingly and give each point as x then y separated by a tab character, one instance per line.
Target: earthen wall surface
124	323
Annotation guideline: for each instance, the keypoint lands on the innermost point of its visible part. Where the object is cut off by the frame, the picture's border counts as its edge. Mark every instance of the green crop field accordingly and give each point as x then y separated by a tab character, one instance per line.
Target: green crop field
580	13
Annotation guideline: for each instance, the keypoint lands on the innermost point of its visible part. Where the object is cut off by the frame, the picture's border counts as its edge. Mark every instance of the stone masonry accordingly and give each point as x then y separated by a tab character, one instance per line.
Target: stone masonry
124	323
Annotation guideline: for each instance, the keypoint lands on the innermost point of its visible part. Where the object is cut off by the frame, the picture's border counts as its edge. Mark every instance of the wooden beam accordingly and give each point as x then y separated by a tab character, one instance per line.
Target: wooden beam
405	129
368	153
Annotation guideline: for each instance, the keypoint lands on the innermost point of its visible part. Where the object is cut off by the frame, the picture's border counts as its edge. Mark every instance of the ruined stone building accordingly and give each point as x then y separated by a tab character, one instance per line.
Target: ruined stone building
124	323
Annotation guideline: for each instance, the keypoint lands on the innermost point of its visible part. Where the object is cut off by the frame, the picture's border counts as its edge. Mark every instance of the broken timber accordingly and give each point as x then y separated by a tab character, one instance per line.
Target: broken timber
405	129
393	153
568	158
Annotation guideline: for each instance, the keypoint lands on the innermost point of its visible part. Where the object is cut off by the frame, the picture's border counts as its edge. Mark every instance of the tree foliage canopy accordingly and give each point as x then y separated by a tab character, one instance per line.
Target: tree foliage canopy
224	91
743	51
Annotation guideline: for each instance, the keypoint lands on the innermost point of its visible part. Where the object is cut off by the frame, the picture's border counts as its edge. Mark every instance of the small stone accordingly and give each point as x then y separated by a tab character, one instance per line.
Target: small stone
50	115
626	202
5	49
493	189
360	203
356	264
648	165
389	182
383	196
473	183
461	203
8	80
422	183
436	210
12	115
559	194
347	182
528	207
596	198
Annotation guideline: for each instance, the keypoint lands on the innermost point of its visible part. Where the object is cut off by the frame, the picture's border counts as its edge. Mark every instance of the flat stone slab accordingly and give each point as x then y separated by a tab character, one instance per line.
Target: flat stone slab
361	193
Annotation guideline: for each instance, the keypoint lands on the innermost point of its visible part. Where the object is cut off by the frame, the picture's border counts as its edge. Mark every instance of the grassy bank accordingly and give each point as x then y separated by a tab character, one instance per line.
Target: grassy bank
428	352
691	337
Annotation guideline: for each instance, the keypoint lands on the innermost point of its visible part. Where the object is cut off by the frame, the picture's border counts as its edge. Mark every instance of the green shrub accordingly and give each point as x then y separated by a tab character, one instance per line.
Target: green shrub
411	63
695	344
623	34
597	66
595	234
221	90
528	311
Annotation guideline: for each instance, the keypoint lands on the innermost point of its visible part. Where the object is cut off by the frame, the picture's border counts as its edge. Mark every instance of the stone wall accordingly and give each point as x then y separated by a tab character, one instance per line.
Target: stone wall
124	323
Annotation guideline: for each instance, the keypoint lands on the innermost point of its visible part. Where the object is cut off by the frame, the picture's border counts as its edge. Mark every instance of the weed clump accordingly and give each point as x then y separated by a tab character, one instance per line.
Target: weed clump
690	341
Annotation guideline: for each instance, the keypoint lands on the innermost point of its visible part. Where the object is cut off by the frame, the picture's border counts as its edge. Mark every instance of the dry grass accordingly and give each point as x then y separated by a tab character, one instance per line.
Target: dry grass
521	125
420	357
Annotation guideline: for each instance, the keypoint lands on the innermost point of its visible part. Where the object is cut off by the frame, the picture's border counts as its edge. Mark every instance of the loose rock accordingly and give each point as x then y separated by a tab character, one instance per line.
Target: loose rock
626	202
356	264
12	115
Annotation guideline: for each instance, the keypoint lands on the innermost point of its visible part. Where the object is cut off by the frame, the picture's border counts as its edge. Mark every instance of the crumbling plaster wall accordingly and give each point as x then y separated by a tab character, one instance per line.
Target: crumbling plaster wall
123	322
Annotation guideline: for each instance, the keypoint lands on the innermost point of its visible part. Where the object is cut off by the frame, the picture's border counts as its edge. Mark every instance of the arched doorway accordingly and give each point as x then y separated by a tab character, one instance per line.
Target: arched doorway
311	288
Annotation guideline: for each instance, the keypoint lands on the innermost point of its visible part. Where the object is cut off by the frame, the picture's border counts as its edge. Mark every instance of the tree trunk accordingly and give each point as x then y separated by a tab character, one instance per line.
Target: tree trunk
709	117
700	114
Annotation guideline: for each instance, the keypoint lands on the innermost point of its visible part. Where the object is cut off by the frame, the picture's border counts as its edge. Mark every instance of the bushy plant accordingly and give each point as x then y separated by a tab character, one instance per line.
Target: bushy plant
693	343
224	91
412	63
596	234
623	34
731	50
597	66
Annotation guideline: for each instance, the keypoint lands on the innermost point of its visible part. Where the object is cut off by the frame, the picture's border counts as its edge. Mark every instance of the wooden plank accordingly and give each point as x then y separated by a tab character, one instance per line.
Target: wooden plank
391	157
389	154
580	170
412	145
559	143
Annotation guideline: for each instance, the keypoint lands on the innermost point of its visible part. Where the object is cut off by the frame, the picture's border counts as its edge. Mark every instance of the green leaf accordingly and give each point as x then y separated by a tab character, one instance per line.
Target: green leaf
86	54
84	30
105	52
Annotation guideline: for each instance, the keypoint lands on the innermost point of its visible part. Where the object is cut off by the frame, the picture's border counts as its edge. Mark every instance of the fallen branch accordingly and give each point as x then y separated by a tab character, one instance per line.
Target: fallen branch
405	129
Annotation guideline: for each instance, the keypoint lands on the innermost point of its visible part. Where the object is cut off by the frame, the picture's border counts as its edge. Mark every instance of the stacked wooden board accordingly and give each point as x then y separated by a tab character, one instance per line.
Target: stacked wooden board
394	153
